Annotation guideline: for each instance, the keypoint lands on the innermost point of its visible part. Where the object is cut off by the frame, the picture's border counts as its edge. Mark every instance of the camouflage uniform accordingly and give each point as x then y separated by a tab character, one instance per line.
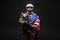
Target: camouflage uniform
31	26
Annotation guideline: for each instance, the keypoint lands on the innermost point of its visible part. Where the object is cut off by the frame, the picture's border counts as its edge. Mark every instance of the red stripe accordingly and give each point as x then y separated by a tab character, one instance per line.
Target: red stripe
35	25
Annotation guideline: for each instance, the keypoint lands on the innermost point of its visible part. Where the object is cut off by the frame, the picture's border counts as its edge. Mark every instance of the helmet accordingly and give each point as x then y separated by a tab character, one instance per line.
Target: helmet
29	5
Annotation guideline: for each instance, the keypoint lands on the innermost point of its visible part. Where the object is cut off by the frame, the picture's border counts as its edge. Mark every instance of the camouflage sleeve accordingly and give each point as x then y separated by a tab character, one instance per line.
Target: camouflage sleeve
21	20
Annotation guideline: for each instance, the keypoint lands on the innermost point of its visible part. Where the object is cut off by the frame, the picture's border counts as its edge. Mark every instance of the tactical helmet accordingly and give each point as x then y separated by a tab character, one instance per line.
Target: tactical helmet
29	5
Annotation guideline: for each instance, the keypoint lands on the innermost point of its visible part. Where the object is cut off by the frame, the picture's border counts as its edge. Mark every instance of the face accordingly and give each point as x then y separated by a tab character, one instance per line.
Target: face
29	8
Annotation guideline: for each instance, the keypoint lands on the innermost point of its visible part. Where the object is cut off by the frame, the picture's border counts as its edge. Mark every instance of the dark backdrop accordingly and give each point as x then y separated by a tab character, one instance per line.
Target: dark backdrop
11	30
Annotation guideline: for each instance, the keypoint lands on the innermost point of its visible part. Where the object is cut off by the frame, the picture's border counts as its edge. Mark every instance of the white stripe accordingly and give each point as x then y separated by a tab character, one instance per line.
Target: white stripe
38	20
36	23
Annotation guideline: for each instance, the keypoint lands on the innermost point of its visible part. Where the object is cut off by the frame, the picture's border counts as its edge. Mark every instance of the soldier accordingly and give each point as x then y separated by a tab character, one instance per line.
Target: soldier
31	23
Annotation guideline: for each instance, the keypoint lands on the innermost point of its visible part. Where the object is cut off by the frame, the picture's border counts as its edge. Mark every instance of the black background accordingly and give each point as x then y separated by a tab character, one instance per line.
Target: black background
12	30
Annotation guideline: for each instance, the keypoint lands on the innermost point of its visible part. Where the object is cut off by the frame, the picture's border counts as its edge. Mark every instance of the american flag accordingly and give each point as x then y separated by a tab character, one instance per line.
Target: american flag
36	23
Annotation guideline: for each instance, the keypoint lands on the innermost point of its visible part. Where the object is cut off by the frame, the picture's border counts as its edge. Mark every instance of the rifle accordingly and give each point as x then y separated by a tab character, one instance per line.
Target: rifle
26	23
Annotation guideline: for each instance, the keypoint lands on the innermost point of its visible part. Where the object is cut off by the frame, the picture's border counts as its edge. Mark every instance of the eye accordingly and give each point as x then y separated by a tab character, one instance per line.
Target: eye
29	7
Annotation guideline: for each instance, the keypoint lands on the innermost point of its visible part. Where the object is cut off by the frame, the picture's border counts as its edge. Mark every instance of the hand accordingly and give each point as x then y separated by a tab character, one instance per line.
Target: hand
22	22
25	22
